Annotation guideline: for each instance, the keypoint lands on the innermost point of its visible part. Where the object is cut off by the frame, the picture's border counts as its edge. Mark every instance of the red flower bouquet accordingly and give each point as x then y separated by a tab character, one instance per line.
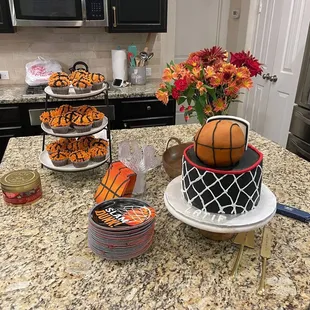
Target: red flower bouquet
208	81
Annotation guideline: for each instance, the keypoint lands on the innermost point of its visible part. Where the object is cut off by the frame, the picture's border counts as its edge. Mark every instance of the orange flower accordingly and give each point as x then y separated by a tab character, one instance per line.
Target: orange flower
216	80
208	110
247	83
227	67
178	71
162	86
209	72
162	96
200	87
243	73
167	75
219	105
232	89
196	72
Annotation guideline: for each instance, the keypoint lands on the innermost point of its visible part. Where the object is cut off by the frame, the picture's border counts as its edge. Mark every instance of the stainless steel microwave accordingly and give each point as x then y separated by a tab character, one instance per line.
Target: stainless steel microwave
59	13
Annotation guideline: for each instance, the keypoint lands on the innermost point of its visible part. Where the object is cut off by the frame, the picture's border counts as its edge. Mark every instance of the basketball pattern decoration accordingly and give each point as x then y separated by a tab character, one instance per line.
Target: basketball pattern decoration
220	143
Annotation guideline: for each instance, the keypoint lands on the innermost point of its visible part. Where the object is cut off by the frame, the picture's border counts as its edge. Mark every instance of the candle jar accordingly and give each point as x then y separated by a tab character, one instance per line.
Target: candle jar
21	187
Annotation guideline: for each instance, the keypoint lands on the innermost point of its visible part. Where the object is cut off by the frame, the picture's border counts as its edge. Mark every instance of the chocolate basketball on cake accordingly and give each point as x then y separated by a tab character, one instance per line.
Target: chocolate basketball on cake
220	143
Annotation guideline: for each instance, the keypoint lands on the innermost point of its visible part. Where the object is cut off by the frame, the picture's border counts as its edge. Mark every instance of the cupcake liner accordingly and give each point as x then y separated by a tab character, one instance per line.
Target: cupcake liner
47	125
60	163
82	128
98	158
80	164
97	123
60	90
82	90
97	86
63	129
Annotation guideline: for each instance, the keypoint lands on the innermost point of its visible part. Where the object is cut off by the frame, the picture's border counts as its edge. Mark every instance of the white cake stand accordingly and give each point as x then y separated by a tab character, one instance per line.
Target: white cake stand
219	223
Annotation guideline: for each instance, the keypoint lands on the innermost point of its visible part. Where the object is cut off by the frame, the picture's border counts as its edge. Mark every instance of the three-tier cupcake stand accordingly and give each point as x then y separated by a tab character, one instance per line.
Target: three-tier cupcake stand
98	132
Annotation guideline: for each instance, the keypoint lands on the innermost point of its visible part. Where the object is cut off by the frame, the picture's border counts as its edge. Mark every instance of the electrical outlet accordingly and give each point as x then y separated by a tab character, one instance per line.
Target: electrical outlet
4	75
148	71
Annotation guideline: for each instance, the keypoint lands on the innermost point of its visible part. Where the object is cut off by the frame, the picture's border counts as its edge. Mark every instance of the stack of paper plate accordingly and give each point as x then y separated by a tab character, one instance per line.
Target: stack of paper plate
121	229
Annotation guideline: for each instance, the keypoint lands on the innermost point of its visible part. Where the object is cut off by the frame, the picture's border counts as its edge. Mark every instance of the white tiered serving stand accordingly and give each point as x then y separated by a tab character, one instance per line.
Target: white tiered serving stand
44	158
215	225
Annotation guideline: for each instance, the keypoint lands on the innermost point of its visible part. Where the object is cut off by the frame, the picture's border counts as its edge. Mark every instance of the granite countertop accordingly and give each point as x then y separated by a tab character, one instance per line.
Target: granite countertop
45	262
10	94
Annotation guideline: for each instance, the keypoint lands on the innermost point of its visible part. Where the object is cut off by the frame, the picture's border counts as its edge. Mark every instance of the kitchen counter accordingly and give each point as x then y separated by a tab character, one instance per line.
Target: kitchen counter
45	262
14	93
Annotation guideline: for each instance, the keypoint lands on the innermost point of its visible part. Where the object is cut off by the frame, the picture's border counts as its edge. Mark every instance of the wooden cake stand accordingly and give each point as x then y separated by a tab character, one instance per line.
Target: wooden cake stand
219	226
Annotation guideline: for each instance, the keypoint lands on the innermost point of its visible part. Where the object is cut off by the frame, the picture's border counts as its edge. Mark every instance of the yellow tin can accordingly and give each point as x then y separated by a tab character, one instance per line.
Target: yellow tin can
21	187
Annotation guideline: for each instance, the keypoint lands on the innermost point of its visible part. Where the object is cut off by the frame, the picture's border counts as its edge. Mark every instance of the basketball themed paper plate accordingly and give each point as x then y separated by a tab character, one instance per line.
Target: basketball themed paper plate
121	229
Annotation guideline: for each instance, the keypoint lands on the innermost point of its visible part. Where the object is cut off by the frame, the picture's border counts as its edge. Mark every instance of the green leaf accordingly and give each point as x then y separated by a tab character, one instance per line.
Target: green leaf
169	87
181	100
211	91
234	100
171	63
199	107
191	92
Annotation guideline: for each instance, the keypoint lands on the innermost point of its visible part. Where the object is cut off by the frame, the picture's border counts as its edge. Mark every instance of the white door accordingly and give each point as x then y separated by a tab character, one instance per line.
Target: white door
288	58
279	42
199	24
264	49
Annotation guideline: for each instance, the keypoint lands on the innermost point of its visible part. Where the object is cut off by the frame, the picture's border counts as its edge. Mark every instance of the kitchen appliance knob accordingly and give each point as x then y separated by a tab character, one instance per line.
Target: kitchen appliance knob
266	76
273	78
125	125
149	108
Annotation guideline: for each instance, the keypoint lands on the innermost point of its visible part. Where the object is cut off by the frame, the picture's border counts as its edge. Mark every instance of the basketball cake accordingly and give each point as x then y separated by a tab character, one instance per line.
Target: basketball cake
221	172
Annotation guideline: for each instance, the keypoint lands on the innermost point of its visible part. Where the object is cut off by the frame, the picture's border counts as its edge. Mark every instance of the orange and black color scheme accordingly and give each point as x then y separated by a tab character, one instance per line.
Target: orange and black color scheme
119	181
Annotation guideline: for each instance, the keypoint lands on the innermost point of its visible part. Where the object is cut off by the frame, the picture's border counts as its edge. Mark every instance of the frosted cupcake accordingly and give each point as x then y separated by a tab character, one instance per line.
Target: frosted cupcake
79	159
86	109
99	143
60	124
83	123
59	158
78	74
59	84
45	117
84	142
97	154
97	119
54	147
82	86
63	109
97	80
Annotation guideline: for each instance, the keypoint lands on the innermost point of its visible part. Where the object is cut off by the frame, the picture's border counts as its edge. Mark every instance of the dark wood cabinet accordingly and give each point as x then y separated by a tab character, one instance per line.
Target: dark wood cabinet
138	16
5	17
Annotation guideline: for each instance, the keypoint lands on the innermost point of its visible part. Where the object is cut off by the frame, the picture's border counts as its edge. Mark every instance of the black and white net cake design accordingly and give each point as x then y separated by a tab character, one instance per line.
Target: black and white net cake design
222	191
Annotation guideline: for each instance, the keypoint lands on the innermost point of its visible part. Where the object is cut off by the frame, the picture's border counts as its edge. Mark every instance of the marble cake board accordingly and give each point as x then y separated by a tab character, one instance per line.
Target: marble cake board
215	225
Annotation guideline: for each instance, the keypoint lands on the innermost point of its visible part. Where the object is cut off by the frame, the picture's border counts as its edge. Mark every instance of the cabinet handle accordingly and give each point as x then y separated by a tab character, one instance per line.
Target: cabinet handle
114	13
149	108
125	125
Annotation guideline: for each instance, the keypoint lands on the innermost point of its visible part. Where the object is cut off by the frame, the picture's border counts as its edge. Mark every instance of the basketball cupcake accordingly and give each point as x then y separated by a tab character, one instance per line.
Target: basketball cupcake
60	124
59	158
79	159
63	109
72	146
60	84
84	142
97	154
99	143
65	141
82	86
78	74
54	147
86	109
97	118
45	117
97	80
83	123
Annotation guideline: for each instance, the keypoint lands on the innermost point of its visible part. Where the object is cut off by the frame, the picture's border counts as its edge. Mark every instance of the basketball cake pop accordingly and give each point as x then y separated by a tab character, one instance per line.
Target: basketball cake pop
221	172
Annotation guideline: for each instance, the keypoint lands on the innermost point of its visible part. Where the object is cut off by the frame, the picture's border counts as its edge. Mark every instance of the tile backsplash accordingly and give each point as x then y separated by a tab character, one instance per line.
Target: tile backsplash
68	45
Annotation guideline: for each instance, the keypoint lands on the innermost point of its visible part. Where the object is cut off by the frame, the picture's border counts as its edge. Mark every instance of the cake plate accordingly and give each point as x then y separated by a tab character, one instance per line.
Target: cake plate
211	223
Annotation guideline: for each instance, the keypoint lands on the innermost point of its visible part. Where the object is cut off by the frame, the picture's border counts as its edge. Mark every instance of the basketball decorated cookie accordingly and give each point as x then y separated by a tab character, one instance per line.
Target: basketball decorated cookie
220	143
